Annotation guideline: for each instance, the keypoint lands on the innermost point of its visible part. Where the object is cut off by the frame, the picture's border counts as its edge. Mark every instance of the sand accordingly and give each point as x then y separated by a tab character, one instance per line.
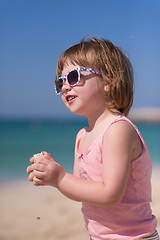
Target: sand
42	213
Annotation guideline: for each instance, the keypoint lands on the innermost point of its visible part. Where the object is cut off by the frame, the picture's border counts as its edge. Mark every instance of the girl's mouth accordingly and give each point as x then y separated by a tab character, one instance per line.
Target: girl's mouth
70	98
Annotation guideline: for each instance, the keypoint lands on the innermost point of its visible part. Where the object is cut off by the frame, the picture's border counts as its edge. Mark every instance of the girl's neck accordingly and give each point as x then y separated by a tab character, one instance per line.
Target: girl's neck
102	117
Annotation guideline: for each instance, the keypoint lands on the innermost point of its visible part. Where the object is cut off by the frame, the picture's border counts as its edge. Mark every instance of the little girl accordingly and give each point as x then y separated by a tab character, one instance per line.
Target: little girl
112	168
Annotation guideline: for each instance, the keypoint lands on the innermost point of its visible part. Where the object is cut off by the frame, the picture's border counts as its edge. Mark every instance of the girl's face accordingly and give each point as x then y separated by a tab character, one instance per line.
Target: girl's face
85	98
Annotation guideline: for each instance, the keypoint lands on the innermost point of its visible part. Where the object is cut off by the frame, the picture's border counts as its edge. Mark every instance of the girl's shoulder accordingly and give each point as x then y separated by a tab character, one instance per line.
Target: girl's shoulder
122	127
80	133
119	129
123	132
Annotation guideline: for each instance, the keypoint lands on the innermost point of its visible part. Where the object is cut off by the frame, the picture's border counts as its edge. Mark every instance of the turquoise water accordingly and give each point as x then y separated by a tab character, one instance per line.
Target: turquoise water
19	140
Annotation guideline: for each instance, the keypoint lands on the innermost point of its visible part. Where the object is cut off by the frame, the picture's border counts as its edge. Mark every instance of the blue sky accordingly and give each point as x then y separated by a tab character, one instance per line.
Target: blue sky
33	34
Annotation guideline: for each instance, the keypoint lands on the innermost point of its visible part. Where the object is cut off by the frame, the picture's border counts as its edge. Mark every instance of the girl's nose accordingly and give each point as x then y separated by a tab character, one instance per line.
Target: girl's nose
66	87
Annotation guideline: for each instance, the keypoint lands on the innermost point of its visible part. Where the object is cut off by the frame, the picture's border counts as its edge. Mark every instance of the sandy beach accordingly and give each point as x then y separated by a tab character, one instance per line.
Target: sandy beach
42	213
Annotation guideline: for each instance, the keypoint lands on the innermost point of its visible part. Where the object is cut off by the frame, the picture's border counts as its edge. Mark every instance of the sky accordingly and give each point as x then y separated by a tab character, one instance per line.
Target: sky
33	34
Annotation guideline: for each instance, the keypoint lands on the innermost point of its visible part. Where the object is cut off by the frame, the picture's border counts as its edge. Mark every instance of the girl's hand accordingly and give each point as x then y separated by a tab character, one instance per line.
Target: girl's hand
45	171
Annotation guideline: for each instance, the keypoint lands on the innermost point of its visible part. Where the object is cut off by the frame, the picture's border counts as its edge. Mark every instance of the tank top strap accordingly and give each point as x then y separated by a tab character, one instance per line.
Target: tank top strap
122	117
117	119
79	137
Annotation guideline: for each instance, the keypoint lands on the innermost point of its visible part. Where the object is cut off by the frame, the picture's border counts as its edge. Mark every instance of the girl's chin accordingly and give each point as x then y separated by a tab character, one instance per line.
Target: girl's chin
76	111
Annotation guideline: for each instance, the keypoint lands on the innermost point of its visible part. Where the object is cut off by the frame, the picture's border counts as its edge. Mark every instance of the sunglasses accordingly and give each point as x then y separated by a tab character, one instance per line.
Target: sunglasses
72	78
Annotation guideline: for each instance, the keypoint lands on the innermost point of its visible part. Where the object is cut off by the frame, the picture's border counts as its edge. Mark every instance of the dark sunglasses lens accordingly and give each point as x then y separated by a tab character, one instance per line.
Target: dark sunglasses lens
72	77
59	84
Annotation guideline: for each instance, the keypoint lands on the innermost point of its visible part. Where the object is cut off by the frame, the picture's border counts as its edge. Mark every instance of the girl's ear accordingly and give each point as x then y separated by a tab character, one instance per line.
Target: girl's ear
107	93
106	88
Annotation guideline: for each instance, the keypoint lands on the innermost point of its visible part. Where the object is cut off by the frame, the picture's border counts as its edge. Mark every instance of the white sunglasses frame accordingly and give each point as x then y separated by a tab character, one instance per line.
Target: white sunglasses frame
78	69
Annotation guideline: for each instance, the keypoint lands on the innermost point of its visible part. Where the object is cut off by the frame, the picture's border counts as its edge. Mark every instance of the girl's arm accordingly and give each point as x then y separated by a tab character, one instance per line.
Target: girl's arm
118	151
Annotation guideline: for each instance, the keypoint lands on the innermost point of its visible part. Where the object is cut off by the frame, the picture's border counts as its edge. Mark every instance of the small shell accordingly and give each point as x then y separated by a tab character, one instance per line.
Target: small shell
41	155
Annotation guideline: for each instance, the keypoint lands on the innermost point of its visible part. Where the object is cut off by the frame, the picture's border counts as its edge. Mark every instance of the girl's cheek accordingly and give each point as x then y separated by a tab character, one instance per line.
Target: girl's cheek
62	97
82	81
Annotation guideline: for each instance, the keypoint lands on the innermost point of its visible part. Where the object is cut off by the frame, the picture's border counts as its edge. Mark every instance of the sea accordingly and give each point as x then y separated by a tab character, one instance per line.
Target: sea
19	140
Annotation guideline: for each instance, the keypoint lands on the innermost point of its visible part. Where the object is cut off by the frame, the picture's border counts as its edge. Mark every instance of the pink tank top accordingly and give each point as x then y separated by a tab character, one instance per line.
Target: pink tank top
132	218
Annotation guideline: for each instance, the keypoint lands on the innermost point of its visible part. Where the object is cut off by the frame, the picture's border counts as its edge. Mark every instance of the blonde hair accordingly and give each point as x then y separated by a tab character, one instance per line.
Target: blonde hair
114	66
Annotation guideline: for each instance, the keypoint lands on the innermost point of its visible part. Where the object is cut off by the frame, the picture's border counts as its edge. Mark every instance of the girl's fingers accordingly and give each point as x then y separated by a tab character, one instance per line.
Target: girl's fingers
36	177
30	169
31	176
47	155
39	170
37	181
39	175
39	167
32	159
40	160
